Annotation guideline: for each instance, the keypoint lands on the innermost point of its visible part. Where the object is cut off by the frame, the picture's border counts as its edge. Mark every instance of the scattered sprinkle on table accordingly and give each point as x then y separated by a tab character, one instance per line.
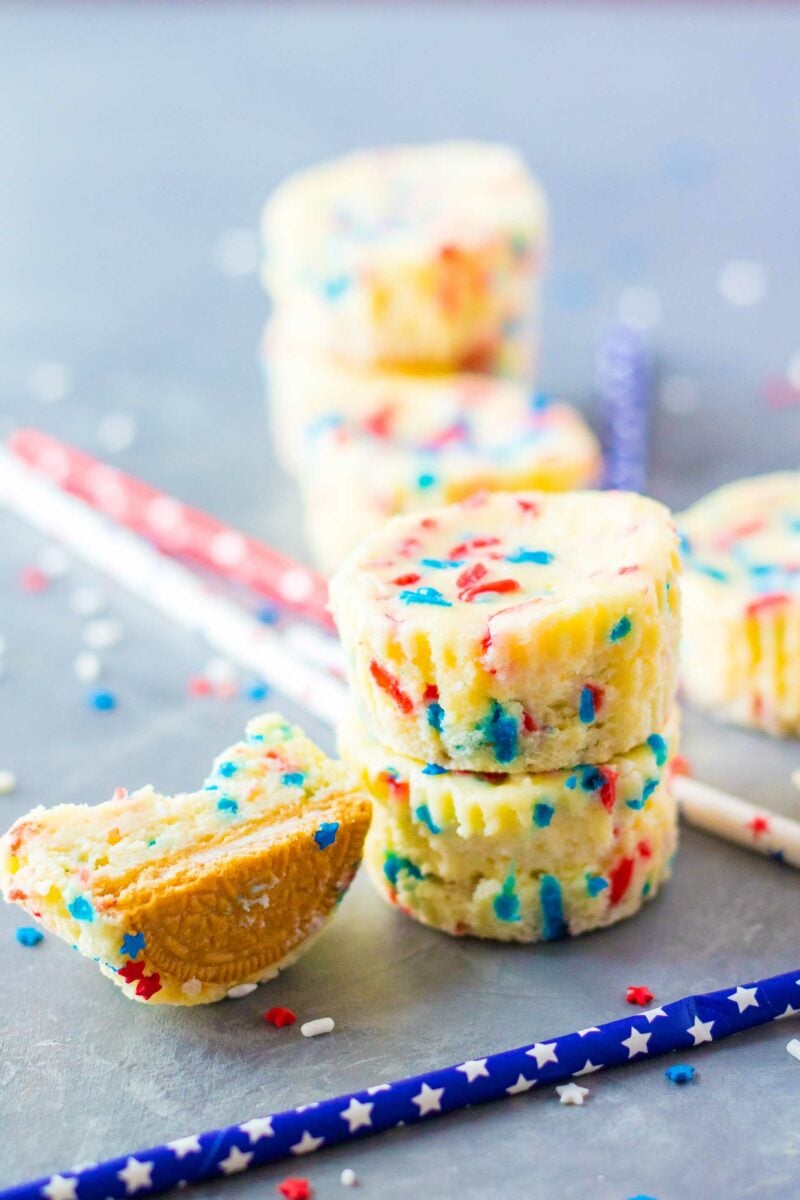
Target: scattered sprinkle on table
54	561
86	601
8	782
315	1028
198	685
219	670
102	701
102	634
295	1189
680	1073
28	936
639	995
117	432
348	1177
241	990
794	1048
279	1017
87	666
33	580
571	1093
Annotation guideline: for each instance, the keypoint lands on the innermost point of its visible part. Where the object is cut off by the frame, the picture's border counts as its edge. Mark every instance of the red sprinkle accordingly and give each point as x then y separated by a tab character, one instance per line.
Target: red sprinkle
389	684
608	792
199	686
380	422
428	523
639	995
471	575
404	580
598	695
764	603
528	723
621	877
398	789
431	693
295	1189
132	971
645	850
758	825
499	586
148	985
476	543
528	506
680	765
32	580
628	570
280	1017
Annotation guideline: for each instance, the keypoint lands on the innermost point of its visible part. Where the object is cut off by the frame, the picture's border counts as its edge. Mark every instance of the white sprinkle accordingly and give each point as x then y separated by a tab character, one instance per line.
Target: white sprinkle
8	782
794	1048
742	282
192	987
49	382
315	1028
219	670
296	584
87	666
117	432
236	252
639	307
348	1177
54	561
241	990
100	635
86	602
679	394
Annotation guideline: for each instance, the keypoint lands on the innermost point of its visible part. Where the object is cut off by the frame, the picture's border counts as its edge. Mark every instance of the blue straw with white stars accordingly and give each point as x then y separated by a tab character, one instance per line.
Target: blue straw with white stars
623	374
679	1026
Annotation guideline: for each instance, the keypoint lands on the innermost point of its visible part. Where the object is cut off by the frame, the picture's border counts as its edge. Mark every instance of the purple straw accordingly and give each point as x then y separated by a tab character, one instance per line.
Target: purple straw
623	383
679	1026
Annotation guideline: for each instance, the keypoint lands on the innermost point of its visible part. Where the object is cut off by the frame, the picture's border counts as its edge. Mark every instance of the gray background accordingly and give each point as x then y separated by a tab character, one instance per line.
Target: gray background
131	137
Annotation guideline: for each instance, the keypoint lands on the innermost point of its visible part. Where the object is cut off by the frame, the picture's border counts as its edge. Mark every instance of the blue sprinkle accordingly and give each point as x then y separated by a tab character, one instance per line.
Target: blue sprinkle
595	884
543	815
711	572
586	711
592	779
326	834
293	779
442	564
425	595
659	747
500	729
435	716
646	888
647	791
227	769
81	909
132	943
553	924
269	614
102	701
543	557
621	629
636	804
680	1073
506	905
211	787
227	804
426	480
335	287
394	864
434	769
571	783
256	691
254	738
28	936
423	814
540	401
685	545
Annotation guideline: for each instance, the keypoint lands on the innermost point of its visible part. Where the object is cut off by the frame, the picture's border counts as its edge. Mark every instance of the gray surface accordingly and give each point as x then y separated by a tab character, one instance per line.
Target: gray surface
129	139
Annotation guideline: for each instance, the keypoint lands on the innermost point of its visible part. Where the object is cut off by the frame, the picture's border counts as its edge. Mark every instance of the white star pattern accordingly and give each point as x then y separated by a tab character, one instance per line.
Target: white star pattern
588	1068
358	1114
743	998
701	1031
184	1146
428	1099
522	1085
136	1175
307	1144
794	1048
571	1093
652	1013
60	1188
259	1127
543	1052
787	1012
636	1042
473	1068
237	1160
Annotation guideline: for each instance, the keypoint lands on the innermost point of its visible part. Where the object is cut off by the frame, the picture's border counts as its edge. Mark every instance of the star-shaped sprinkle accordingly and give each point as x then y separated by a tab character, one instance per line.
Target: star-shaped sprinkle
307	1144
279	1017
543	1052
652	1013
132	944
136	1175
259	1127
428	1099
358	1114
680	1073
295	1189
701	1031
636	1042
639	995
184	1146
131	971
794	1048
235	1161
522	1085
148	985
60	1188
588	1068
744	997
326	834
473	1068
571	1093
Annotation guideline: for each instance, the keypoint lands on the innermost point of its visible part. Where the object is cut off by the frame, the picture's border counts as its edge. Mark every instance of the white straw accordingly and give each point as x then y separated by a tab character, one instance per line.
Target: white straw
738	821
168	587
